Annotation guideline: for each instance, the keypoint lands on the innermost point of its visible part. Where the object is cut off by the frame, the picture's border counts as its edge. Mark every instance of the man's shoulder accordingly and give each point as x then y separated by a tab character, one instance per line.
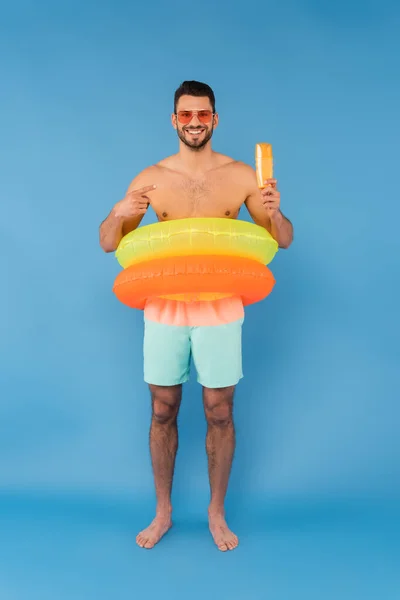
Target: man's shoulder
239	170
155	169
233	163
166	163
148	176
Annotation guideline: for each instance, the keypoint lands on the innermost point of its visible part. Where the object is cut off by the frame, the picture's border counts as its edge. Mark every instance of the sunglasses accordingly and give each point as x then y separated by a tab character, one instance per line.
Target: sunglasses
185	116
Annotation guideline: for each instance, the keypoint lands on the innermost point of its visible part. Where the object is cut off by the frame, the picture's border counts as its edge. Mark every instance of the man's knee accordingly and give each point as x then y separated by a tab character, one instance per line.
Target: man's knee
218	405
165	403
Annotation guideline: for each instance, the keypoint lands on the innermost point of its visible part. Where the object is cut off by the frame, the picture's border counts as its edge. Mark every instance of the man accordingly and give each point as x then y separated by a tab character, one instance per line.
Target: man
195	182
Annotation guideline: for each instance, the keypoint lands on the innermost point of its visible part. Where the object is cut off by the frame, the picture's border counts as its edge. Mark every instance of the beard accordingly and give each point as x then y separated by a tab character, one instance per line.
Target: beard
196	145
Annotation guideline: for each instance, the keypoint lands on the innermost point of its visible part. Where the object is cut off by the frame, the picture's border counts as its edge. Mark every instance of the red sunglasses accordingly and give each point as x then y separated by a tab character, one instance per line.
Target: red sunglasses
185	116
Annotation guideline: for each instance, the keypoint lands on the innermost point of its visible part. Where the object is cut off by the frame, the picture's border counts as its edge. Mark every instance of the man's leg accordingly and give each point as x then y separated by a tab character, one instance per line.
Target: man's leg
220	444
217	354
163	448
166	366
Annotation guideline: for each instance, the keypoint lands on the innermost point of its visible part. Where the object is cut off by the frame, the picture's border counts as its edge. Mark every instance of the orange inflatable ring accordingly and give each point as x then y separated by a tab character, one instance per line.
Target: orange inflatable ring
173	276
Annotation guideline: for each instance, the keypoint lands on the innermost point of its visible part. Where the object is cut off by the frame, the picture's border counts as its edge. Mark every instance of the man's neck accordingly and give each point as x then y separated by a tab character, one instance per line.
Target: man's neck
196	161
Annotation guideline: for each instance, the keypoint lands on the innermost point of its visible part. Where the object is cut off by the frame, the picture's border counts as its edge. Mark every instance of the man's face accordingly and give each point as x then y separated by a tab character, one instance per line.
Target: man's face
195	122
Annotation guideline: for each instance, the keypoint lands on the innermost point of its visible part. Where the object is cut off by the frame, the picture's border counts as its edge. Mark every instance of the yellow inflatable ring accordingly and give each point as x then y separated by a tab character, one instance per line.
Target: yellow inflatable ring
197	236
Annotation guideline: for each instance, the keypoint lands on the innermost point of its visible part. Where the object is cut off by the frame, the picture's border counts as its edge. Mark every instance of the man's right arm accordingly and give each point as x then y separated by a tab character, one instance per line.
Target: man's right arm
127	214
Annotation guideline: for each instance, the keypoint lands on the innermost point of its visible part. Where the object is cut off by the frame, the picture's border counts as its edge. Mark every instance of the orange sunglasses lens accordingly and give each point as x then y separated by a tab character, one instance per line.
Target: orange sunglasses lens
185	116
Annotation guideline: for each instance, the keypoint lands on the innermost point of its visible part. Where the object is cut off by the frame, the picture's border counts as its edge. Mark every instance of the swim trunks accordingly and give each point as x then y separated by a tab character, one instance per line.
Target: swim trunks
209	333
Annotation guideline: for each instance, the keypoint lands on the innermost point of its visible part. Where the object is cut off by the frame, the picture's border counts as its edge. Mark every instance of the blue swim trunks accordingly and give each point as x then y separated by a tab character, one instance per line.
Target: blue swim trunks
216	351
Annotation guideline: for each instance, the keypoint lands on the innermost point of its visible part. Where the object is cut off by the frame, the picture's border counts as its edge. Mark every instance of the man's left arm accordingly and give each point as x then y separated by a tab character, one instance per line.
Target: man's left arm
264	208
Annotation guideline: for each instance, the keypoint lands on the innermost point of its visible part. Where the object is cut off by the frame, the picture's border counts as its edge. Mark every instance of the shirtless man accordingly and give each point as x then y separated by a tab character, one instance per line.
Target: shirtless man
195	182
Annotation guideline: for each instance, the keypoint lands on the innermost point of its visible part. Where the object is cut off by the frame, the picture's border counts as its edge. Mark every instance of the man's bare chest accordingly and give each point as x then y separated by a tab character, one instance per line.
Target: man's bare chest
183	197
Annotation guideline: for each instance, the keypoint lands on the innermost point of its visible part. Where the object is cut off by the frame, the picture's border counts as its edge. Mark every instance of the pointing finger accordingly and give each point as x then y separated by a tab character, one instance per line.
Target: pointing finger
144	190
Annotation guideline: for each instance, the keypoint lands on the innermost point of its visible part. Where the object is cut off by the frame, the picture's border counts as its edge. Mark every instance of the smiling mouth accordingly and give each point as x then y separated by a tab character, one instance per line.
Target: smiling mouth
194	131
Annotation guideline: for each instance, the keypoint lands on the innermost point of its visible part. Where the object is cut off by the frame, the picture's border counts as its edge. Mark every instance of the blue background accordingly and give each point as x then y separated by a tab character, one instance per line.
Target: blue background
85	103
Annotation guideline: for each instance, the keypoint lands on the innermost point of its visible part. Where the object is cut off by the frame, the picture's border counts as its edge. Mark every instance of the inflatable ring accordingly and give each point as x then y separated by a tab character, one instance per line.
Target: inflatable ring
194	276
199	236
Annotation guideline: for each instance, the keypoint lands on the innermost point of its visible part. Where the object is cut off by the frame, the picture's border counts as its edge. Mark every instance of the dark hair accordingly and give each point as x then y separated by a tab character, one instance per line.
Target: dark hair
194	88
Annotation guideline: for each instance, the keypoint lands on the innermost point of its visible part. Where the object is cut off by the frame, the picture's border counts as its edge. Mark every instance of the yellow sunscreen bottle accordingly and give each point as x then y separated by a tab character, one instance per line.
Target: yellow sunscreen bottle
264	163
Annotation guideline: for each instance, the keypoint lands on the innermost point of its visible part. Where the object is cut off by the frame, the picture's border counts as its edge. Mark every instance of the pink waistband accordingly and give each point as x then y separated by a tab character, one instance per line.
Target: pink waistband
194	314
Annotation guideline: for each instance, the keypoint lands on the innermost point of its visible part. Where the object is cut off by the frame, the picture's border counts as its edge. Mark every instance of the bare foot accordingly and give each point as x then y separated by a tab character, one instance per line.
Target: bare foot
224	538
149	537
